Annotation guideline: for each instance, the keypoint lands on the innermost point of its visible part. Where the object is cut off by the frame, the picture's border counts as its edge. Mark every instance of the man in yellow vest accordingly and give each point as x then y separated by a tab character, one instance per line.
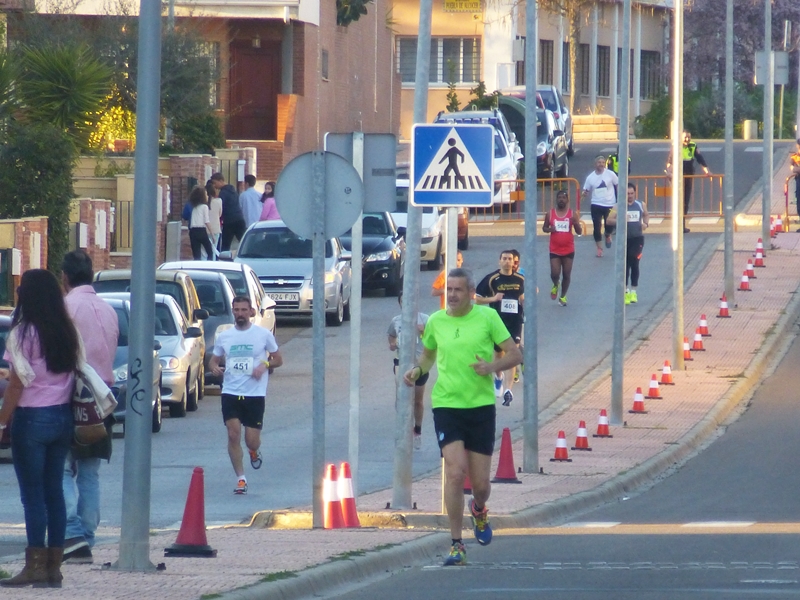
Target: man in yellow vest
690	153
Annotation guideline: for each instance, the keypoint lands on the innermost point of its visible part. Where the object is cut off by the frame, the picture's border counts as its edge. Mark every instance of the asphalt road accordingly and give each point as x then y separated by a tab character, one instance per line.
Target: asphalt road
723	525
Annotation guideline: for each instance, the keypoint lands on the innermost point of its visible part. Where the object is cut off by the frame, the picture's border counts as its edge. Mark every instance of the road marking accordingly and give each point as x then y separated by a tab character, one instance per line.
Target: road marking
633	566
689	528
592	524
719	524
754	149
660	149
712	149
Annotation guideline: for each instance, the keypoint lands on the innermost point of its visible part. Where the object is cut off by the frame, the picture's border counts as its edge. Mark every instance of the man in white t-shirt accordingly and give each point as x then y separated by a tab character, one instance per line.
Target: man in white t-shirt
600	186
251	354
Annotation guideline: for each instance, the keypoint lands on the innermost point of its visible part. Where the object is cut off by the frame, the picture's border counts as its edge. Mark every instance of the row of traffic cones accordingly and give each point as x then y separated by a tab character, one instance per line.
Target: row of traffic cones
338	498
581	439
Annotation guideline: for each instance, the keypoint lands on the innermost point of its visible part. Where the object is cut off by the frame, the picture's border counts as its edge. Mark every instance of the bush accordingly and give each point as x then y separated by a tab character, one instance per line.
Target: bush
197	135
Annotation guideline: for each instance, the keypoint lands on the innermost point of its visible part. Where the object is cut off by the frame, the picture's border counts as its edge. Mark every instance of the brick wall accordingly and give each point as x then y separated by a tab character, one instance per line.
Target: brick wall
98	242
183	166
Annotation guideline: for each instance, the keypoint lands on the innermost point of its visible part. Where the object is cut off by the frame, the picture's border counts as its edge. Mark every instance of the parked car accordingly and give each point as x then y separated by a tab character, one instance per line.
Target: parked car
384	251
506	167
492	117
551	147
5	434
244	282
554	101
283	262
181	355
120	387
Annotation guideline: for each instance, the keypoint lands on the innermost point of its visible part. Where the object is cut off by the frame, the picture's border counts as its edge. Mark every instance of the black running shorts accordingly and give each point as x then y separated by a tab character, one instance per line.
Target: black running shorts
473	426
249	410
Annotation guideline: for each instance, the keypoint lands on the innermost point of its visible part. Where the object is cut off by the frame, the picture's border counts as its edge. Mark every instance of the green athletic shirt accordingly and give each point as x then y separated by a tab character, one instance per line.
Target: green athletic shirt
457	340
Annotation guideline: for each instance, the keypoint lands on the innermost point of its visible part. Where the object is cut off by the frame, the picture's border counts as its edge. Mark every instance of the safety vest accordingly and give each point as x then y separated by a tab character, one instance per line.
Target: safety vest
688	151
613	163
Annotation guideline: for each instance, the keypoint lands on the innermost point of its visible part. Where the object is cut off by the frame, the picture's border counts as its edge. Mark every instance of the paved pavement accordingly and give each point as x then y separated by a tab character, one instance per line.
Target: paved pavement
263	561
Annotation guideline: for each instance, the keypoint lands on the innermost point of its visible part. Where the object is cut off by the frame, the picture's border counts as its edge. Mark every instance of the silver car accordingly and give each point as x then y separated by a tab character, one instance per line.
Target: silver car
283	262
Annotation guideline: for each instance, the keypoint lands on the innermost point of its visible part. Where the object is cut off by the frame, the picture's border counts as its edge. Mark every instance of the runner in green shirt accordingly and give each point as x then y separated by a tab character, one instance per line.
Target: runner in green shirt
461	342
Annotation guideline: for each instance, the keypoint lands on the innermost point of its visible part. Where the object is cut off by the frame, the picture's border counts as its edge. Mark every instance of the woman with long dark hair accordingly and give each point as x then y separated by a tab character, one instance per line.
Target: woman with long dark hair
269	211
199	224
42	349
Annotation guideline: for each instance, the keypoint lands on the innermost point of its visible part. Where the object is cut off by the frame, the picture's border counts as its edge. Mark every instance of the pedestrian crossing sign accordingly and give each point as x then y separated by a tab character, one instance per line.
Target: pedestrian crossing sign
452	165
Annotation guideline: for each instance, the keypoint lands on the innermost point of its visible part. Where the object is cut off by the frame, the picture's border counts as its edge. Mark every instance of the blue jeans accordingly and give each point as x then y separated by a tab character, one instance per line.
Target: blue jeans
83	503
40	440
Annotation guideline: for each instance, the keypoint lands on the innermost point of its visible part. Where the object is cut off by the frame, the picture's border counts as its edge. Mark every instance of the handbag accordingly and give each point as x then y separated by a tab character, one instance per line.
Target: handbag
92	402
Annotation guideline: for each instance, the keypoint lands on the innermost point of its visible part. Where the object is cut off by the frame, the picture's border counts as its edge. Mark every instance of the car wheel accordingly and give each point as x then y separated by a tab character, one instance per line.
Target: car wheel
157	411
464	244
201	382
436	263
346	315
179	410
570	148
191	396
394	288
337	318
563	172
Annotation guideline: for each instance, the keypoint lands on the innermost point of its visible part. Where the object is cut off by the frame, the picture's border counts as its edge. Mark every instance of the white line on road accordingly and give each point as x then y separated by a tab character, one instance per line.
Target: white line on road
754	149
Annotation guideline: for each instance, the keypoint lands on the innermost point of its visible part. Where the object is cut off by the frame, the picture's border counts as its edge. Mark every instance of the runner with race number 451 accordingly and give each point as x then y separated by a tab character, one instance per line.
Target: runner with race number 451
251	354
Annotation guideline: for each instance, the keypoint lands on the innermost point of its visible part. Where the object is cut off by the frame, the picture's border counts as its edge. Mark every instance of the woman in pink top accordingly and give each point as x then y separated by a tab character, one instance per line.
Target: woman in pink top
42	349
270	211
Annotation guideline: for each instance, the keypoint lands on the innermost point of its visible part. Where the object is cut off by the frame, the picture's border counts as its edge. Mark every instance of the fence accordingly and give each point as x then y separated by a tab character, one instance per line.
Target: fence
656	193
510	202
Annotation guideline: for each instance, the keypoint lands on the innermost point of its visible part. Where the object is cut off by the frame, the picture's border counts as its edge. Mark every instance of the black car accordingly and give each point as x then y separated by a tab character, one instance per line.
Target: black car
383	253
551	147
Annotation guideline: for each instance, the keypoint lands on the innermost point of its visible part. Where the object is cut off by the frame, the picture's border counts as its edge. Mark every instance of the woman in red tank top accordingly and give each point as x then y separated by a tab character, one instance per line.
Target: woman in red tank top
560	222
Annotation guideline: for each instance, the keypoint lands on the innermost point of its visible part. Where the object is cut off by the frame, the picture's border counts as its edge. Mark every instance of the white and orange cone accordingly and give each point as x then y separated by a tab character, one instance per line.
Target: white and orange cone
760	247
759	262
724	313
561	449
697	345
687	355
333	518
602	425
638	403
744	286
581	439
666	374
653	393
346	497
703	326
778	225
751	272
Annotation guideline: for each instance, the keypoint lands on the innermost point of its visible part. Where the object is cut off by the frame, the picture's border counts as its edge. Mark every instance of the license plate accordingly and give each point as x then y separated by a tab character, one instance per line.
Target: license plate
285	297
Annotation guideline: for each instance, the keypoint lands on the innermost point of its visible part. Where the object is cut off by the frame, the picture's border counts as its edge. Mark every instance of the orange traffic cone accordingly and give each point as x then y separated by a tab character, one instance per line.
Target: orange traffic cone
602	425
751	273
638	403
744	286
760	248
191	541
344	489
759	262
666	374
506	473
561	449
582	440
697	345
653	393
333	518
703	326
779	224
772	232
724	313
686	353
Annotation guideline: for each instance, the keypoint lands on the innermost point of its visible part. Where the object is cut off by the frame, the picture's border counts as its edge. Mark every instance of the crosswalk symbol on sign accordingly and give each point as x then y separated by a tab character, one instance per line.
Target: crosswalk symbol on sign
452	176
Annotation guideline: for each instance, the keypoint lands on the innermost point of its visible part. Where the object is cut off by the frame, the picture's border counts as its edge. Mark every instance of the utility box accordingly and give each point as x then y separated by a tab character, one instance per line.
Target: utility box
750	129
173	242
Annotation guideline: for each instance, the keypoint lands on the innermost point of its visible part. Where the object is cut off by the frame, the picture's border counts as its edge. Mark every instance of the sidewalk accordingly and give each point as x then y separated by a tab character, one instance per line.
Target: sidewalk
709	391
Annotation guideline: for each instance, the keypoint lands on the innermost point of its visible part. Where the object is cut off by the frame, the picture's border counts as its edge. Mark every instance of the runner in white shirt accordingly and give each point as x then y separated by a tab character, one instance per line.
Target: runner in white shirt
600	186
251	354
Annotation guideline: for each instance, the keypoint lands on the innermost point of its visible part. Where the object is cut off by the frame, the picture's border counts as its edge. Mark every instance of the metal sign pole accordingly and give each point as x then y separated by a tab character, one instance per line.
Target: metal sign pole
356	263
677	187
318	351
730	285
134	545
769	120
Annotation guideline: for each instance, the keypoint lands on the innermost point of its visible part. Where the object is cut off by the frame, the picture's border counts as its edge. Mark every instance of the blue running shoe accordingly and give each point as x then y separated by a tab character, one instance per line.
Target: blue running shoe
457	556
483	531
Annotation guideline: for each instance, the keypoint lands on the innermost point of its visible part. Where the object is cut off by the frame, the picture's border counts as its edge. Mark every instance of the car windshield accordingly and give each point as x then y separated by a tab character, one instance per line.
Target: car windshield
212	297
164	323
277	242
549	99
371	225
541	129
170	288
499	147
124	326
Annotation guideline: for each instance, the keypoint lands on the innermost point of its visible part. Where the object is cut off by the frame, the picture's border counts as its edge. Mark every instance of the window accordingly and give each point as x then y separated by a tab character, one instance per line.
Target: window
324	65
603	71
651	75
565	67
214	88
546	62
584	76
452	59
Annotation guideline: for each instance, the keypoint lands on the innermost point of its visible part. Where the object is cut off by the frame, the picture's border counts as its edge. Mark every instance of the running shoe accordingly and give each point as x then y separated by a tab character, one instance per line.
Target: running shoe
498	387
480	520
627	297
554	292
634	298
608	241
255	459
599	253
417	441
562	301
241	488
508	398
457	556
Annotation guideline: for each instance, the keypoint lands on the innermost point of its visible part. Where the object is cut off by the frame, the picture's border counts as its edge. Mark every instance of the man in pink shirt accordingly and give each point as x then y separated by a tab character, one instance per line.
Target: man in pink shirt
98	327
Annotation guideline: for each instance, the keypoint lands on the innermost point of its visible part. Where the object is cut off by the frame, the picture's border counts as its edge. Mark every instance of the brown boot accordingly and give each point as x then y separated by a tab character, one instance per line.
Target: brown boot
54	558
33	573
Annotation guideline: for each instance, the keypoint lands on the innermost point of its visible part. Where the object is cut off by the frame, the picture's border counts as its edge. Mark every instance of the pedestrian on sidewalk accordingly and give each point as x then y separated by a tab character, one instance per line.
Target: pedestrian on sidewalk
638	220
200	225
269	209
98	327
437	289
689	154
250	201
560	223
233	224
794	167
419	387
599	187
214	214
504	291
461	341
42	349
251	355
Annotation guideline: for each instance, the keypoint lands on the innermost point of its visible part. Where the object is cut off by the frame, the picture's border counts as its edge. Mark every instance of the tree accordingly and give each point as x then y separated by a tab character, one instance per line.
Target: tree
348	11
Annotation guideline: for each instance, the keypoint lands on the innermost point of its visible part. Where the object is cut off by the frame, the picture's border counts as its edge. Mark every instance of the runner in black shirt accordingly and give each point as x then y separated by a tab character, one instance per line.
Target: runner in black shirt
504	291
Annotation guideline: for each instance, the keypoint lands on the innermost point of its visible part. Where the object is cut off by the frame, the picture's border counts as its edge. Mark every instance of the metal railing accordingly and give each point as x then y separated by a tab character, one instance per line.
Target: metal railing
656	192
122	234
509	203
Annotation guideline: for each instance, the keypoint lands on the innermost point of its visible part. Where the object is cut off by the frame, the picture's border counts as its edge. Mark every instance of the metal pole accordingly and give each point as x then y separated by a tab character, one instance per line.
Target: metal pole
401	482
530	385
134	544
677	186
318	350
618	345
797	112
769	119
787	32
356	250
730	285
